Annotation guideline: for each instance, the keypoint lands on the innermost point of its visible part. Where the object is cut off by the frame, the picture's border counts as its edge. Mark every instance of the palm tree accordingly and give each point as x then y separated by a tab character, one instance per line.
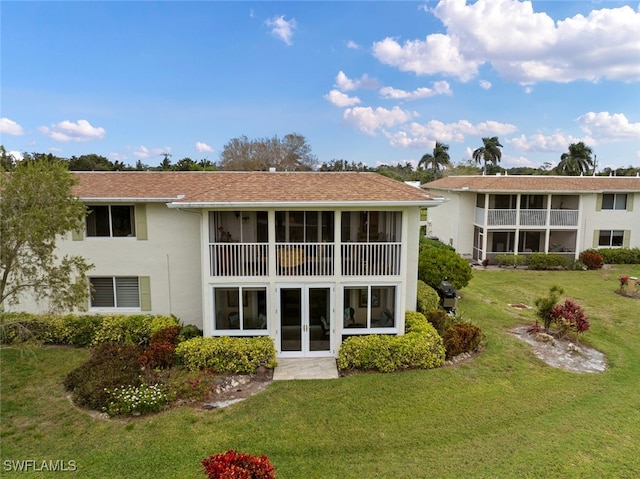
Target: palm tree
577	161
438	159
490	151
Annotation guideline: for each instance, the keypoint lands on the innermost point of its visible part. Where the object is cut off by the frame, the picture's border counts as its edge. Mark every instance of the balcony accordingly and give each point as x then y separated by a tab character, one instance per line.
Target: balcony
532	217
305	259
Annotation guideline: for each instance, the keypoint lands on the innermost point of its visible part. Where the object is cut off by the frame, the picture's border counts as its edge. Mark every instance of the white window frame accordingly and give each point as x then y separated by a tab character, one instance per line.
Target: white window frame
132	220
241	331
611	235
115	287
368	329
615	200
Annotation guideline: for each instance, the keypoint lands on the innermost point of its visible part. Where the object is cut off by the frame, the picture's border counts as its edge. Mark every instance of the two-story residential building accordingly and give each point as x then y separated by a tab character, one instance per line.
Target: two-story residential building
305	258
490	215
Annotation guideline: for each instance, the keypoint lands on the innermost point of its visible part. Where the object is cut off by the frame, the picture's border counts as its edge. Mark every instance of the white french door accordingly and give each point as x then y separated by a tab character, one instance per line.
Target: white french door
305	320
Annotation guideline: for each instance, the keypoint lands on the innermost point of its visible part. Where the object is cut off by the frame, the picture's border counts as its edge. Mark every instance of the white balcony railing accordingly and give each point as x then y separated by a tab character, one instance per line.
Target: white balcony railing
371	259
533	217
564	218
501	217
239	259
305	259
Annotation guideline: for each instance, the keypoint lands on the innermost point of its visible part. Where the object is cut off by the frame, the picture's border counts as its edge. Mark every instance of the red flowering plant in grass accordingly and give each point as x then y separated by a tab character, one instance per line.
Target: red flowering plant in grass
569	317
624	280
236	465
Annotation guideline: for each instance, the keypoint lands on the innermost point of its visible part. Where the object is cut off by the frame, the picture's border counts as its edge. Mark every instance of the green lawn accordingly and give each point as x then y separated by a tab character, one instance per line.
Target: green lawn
505	414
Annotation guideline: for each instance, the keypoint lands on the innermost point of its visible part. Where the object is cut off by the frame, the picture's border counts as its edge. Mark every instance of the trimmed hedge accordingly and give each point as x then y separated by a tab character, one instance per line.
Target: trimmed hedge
542	261
618	255
428	298
511	260
421	347
227	354
82	330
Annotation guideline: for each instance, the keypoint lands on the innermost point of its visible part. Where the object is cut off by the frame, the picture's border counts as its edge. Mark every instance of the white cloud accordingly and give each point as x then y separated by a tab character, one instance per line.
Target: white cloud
439	88
522	45
344	83
79	131
417	135
484	84
369	120
340	99
555	142
203	147
353	45
142	152
10	127
17	156
282	28
609	127
436	54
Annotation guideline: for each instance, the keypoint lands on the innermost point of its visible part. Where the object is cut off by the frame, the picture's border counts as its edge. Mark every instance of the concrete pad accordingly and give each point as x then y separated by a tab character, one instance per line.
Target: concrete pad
305	368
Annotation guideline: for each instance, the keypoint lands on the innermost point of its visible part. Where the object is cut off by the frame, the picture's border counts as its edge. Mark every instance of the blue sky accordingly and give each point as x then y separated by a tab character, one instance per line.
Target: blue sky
371	82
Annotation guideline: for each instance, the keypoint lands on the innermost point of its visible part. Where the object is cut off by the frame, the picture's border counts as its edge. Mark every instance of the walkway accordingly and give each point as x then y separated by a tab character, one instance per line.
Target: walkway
305	368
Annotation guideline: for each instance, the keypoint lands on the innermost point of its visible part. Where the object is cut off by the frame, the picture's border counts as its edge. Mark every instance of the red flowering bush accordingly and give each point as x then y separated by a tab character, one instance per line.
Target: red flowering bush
591	260
158	356
624	280
569	316
235	465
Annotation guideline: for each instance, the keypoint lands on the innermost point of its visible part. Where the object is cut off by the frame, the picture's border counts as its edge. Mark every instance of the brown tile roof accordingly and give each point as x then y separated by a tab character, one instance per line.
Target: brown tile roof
221	188
537	184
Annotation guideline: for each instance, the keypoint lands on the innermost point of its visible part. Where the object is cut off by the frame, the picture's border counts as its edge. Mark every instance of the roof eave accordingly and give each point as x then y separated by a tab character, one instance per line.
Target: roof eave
307	204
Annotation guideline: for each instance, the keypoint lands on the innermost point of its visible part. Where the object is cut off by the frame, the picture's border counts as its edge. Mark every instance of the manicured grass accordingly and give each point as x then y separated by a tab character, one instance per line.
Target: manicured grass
505	414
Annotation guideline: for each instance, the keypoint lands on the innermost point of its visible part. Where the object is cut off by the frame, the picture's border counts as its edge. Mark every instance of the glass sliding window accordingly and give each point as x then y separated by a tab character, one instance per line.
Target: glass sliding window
111	220
614	201
611	238
238	227
371	226
369	307
115	292
240	308
304	226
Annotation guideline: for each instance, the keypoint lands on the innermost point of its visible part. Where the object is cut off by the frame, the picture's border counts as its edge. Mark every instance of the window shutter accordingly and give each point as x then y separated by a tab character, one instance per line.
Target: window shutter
626	238
77	235
127	292
596	238
145	293
599	203
141	221
630	197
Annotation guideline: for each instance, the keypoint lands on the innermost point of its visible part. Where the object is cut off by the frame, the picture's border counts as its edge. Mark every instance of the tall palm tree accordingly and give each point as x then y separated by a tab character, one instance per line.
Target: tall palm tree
577	161
490	151
438	159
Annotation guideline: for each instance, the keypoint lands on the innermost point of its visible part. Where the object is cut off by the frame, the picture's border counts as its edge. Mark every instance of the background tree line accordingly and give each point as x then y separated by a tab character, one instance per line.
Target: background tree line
293	153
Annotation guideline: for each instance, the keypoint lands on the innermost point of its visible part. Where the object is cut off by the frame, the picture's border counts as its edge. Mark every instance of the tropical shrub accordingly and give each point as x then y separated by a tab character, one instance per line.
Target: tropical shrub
569	317
134	400
110	366
131	329
545	304
189	331
158	356
437	264
227	354
619	255
71	329
235	465
420	348
591	260
511	260
461	338
428	298
432	243
440	320
542	261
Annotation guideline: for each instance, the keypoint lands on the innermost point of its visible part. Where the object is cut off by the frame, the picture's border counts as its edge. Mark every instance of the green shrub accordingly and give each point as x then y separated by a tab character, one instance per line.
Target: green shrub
437	264
420	348
541	261
226	354
618	255
461	338
71	329
591	259
110	366
545	305
428	298
131	329
432	243
131	400
189	331
440	320
511	260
